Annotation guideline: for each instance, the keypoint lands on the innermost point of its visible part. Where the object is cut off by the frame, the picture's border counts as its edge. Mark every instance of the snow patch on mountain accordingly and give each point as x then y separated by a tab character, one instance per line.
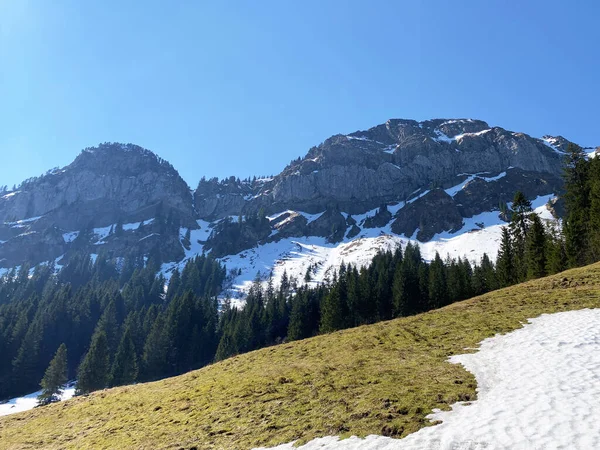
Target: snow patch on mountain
298	255
459	187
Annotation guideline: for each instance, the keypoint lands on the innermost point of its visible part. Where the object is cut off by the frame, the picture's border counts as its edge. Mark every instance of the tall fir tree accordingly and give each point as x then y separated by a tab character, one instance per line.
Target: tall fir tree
55	377
438	288
535	249
124	368
333	311
575	223
520	223
93	373
594	211
506	270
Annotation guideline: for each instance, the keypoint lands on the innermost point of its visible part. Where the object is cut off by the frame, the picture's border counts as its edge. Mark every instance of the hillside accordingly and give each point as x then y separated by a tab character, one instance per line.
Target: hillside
377	379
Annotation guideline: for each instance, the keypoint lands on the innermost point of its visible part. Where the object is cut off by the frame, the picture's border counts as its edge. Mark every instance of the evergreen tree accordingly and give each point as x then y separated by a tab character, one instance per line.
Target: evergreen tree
333	311
406	287
156	350
556	256
124	369
93	373
505	263
594	210
519	228
575	223
535	249
55	377
484	276
438	289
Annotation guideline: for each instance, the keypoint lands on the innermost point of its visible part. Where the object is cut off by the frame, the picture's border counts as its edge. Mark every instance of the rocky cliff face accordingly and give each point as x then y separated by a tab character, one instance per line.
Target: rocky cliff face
362	170
105	185
411	178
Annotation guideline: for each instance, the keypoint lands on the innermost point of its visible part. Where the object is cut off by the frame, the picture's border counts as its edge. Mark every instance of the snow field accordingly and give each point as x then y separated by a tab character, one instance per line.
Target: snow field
538	388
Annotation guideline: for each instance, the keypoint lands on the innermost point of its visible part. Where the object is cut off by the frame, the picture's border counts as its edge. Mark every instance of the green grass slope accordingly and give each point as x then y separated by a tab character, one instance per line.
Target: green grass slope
382	379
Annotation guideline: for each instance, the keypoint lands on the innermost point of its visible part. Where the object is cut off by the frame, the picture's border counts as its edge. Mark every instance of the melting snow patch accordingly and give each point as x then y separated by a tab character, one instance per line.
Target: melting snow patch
70	237
552	142
10	194
136	225
21	223
459	187
30	401
537	389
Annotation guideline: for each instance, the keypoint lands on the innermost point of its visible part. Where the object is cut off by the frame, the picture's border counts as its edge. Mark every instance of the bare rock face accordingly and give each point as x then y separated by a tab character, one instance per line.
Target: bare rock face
380	219
331	224
432	213
215	199
103	184
479	195
360	171
289	224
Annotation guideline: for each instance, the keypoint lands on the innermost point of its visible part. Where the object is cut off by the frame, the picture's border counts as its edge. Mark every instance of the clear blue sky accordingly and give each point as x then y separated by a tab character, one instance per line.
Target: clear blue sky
241	88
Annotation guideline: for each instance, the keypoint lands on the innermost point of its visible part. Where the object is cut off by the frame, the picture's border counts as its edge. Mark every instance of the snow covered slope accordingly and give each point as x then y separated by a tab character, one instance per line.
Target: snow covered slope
296	256
537	389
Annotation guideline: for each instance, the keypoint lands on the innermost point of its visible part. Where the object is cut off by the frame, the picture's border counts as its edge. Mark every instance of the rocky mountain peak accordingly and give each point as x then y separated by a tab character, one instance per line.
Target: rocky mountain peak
124	158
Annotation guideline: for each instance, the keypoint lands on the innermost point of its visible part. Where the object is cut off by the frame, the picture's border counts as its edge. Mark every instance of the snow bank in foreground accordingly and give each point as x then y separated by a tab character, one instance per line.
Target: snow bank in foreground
30	401
538	388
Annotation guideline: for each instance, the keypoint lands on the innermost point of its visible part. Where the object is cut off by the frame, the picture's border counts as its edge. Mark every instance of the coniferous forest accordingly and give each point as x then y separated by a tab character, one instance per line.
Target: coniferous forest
115	323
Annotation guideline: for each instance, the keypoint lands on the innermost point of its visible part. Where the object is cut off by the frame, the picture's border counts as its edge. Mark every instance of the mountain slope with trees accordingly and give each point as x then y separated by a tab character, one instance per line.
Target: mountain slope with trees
382	378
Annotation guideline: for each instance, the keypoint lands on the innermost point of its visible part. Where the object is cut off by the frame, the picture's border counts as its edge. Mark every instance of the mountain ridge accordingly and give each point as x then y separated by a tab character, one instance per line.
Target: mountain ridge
462	167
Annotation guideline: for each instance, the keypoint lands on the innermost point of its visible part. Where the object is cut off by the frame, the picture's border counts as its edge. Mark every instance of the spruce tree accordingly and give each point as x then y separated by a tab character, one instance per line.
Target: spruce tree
333	311
93	373
406	288
519	228
575	223
535	248
594	211
124	369
438	289
489	273
55	377
505	265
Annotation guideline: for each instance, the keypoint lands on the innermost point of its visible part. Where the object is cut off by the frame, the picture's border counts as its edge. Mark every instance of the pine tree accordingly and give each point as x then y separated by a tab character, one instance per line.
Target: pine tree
575	223
93	372
406	288
156	350
124	369
519	228
535	249
55	377
489	274
438	289
556	256
594	211
505	263
333	311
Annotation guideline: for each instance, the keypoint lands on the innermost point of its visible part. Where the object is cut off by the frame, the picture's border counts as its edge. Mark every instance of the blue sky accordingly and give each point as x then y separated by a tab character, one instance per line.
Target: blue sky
241	88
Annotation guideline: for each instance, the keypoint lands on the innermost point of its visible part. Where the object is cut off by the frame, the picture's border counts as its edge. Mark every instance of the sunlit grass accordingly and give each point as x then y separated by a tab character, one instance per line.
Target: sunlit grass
377	379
